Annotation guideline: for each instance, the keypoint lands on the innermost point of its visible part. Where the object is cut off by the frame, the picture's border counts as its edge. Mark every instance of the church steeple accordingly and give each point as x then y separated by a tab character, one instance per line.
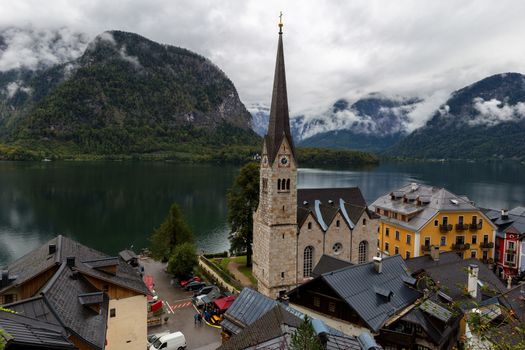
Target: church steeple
279	126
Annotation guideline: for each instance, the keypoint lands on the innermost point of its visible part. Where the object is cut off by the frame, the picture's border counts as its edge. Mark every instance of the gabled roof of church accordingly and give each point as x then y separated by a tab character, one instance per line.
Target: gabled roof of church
325	203
279	126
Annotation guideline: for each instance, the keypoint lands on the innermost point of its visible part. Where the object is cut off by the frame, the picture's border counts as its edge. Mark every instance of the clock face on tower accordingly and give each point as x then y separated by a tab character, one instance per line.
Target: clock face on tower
284	161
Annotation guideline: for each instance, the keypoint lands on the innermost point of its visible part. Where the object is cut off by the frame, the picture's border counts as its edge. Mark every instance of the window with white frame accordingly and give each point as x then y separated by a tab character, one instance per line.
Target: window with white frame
363	251
308	261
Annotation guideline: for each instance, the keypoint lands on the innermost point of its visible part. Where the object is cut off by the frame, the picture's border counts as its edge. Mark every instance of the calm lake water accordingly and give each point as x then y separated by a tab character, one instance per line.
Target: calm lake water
113	205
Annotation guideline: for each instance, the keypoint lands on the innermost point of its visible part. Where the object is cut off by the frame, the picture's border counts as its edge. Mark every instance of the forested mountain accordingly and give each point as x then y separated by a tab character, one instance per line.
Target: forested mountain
484	120
125	94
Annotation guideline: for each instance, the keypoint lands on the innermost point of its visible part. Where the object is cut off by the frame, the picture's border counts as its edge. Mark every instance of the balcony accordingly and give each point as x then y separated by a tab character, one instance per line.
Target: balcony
461	227
461	246
445	228
475	227
426	248
486	245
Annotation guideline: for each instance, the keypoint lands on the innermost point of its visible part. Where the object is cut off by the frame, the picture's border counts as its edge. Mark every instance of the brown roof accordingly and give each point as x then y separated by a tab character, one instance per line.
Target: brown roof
279	125
350	195
329	204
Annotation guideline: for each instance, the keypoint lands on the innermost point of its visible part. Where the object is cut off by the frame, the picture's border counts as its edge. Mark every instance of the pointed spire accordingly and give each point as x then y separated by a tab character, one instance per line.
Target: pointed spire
279	125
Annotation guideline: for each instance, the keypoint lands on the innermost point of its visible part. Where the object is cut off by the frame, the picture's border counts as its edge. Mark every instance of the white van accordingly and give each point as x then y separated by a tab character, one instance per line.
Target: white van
153	337
172	341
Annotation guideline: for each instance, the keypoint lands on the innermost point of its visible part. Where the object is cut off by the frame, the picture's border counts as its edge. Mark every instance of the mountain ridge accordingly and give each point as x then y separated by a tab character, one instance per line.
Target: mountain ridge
128	94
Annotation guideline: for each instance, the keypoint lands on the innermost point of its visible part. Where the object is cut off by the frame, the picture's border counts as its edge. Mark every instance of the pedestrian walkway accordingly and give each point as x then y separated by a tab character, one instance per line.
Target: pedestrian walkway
233	267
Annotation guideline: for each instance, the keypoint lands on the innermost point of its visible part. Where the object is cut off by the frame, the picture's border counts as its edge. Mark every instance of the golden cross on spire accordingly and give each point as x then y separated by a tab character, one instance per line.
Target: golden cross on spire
281	22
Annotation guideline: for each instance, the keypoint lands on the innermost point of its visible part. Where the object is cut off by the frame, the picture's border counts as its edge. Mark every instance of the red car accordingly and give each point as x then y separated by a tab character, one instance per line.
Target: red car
183	283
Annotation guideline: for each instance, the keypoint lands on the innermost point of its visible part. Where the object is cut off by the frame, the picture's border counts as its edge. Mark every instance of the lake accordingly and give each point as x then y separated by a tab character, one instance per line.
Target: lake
113	205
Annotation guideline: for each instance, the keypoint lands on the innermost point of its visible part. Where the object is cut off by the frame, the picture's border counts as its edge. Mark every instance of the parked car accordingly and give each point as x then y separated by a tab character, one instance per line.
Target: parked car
206	290
153	337
206	298
172	341
194	285
184	282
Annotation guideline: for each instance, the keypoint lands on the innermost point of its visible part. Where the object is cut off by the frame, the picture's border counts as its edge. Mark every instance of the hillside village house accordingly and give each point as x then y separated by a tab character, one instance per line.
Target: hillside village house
416	217
98	300
510	245
293	228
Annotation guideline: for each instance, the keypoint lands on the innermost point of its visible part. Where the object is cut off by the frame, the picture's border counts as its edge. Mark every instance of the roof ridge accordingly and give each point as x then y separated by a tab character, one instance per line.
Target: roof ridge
53	279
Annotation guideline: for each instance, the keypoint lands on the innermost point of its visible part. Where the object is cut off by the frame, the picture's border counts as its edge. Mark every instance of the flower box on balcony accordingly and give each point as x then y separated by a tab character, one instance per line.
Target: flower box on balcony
461	227
486	245
445	228
459	246
474	227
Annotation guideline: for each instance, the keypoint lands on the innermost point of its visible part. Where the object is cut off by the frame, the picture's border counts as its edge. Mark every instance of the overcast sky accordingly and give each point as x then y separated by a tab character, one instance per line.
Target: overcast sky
333	49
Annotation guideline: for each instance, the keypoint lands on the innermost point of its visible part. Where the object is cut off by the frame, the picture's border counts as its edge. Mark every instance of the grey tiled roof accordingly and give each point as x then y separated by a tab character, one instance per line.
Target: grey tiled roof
246	309
439	332
60	298
451	272
28	332
515	220
273	331
39	260
439	199
328	263
267	327
65	298
355	285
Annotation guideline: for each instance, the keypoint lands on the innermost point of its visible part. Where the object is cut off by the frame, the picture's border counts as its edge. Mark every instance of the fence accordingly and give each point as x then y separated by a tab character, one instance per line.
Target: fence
220	277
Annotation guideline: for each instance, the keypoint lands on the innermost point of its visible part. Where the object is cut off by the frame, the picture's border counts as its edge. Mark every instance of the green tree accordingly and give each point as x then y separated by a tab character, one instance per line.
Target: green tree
305	338
243	199
172	232
183	259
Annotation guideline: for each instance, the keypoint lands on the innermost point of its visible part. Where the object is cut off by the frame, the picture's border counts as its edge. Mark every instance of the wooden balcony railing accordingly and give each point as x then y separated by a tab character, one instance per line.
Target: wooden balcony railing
459	246
486	245
445	228
461	227
475	227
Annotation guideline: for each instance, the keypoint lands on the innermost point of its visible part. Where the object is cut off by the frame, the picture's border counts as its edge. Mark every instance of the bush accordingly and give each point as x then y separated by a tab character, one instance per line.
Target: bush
183	259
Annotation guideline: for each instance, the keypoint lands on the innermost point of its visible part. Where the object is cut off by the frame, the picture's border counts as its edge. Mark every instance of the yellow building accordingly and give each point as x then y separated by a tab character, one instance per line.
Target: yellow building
415	217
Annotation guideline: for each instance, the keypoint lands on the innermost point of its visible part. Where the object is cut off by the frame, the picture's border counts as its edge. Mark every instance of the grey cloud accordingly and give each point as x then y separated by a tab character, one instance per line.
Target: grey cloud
333	49
494	111
30	48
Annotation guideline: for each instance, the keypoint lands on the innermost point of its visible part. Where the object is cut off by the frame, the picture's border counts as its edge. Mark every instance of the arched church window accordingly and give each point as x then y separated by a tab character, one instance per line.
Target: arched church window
309	225
278	184
363	252
364	222
288	184
308	261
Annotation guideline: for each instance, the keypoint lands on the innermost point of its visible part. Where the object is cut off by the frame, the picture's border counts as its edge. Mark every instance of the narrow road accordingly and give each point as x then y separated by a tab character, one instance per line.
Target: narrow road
233	267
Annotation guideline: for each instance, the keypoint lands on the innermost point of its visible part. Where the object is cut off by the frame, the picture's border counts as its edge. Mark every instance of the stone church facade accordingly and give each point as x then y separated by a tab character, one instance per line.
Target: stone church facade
293	228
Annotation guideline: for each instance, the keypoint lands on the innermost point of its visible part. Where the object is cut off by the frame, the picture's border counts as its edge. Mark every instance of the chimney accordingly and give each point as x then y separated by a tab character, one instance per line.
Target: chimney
70	261
473	280
504	214
52	249
434	253
378	264
4	275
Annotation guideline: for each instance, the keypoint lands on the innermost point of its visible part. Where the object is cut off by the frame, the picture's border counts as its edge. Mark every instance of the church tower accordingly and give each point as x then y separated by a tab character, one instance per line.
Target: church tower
275	220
